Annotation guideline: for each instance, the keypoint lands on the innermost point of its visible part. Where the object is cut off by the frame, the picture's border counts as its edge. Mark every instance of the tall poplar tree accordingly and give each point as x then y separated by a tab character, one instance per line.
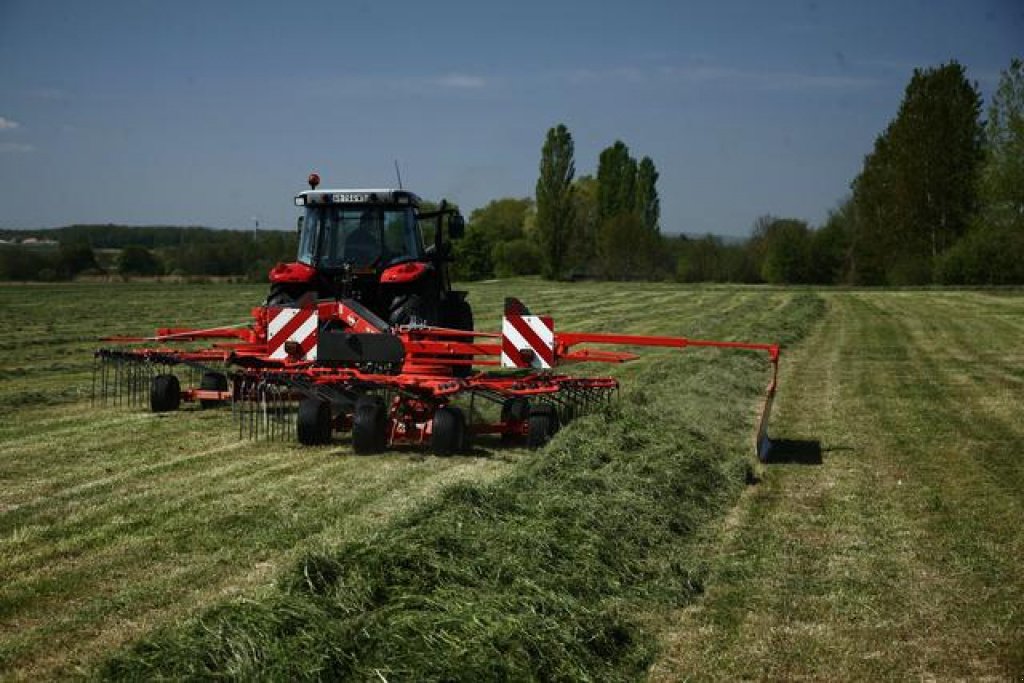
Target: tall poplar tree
647	203
555	209
616	181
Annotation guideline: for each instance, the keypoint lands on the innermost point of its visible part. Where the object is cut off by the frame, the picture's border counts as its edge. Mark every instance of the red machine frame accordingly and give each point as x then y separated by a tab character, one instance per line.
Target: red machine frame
393	385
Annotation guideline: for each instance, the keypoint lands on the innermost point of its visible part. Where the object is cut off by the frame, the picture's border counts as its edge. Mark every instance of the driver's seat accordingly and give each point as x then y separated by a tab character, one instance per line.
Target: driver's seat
362	246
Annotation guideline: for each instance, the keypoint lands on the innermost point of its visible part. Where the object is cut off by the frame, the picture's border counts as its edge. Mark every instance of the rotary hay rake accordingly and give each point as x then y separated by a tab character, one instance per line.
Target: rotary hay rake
321	367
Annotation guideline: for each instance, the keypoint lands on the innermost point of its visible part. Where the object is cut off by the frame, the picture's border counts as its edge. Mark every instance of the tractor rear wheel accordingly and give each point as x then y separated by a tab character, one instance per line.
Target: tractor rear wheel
457	314
448	434
212	381
164	394
313	422
281	295
413	308
543	425
369	425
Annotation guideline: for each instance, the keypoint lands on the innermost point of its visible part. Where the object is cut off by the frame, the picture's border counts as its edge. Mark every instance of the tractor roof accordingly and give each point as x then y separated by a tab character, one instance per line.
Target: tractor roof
357	196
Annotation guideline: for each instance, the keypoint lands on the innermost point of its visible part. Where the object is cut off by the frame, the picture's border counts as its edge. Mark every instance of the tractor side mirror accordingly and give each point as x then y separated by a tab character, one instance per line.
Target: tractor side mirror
456	226
299	223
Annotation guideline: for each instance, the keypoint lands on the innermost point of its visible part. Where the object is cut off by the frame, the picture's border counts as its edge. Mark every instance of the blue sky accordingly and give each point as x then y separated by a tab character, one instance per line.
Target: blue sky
213	113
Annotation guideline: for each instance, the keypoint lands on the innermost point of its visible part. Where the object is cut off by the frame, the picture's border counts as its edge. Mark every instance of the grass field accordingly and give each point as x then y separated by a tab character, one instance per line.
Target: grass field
896	555
899	556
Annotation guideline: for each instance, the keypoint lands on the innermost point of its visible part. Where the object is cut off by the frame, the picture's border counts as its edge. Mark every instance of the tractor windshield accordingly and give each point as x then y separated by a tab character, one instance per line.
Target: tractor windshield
360	235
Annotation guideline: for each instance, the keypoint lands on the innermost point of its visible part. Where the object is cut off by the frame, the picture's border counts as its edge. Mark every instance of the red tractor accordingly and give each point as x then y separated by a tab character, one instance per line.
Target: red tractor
368	246
364	334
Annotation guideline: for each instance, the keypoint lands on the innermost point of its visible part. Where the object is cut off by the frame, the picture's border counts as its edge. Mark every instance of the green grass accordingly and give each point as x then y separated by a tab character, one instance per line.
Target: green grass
118	524
138	546
899	556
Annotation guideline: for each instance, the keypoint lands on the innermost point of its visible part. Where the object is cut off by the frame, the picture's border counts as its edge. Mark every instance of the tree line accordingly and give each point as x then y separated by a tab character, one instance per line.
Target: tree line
940	199
128	251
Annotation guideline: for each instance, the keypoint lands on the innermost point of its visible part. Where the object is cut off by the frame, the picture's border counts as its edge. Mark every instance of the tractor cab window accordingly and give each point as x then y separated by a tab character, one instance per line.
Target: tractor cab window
363	236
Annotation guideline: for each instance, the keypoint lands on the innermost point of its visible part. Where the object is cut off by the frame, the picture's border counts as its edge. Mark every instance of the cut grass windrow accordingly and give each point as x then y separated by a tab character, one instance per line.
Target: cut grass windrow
542	573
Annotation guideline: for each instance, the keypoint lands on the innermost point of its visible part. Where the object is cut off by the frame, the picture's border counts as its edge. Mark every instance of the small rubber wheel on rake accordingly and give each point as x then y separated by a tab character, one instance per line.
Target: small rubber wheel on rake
543	425
313	422
448	434
369	425
212	381
164	394
515	409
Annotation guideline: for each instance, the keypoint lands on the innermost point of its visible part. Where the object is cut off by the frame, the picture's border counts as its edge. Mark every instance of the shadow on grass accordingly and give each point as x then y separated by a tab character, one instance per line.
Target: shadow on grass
794	452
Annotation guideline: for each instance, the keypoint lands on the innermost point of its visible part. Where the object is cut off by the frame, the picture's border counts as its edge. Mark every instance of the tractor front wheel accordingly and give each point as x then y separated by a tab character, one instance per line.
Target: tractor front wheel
164	394
448	434
369	425
314	422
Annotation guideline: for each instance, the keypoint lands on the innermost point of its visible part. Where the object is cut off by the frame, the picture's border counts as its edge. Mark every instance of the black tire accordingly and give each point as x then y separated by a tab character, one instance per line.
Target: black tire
412	308
457	314
369	425
280	295
313	423
213	381
164	394
449	431
516	409
543	425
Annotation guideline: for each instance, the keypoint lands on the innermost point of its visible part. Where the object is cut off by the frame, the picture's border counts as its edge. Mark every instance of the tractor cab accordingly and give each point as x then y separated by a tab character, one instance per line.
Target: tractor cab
361	232
368	245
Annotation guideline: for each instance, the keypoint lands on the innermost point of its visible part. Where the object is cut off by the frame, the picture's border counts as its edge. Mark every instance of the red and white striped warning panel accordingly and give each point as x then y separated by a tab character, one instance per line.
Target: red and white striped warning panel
292	325
527	341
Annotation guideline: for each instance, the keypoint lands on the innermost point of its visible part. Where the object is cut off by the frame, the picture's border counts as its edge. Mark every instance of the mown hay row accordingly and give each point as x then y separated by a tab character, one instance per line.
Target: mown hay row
538	575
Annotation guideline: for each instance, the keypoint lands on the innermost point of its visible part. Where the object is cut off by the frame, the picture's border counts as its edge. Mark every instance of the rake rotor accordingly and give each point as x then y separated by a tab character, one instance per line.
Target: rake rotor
388	386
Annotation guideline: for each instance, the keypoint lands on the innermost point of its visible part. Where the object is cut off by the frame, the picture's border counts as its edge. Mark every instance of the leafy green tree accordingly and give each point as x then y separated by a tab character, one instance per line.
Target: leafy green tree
481	254
616	181
625	250
502	219
787	243
1002	177
647	202
473	255
136	260
24	263
988	255
74	258
917	191
516	257
625	188
697	260
583	248
555	210
830	247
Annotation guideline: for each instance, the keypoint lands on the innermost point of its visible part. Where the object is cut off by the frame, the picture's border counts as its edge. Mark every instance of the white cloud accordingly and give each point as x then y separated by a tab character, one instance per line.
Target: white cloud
464	81
15	148
8	124
49	94
710	73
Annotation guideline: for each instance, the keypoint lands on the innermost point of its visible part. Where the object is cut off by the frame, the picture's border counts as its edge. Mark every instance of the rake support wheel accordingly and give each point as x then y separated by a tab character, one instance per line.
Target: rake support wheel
313	423
516	409
212	381
165	394
369	425
543	425
448	434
